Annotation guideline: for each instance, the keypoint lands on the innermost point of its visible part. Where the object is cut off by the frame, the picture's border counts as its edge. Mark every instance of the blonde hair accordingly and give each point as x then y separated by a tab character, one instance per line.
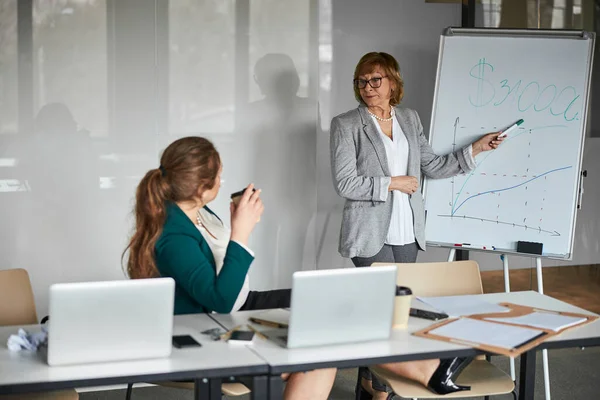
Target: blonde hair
388	63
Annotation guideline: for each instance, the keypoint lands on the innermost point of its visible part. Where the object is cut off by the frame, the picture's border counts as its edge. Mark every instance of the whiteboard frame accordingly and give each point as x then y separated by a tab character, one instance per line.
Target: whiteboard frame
525	33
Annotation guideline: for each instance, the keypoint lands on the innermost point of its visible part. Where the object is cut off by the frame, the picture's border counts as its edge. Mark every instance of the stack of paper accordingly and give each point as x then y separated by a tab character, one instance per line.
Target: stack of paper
544	320
473	332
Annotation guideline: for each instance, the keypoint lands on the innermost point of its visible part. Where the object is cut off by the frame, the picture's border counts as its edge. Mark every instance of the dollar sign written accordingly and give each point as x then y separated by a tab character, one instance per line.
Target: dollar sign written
485	90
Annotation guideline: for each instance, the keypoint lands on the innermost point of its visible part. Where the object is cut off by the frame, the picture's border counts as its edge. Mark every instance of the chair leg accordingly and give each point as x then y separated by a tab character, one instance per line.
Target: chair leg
514	393
129	390
357	388
486	398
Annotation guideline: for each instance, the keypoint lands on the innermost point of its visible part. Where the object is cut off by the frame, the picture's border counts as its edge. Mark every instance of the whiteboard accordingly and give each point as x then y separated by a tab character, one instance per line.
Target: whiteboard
527	189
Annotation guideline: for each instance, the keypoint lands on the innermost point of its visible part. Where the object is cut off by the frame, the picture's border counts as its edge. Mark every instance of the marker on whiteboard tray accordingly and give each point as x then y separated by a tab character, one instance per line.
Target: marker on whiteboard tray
510	128
477	246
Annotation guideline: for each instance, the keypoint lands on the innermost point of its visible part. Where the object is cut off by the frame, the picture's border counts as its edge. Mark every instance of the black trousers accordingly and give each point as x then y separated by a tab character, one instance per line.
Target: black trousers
267	299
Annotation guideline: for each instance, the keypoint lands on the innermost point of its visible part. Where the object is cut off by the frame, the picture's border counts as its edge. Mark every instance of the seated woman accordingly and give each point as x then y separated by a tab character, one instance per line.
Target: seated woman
176	235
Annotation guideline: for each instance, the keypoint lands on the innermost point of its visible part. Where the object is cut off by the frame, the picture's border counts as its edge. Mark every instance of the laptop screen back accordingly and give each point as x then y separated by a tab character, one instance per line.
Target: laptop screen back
110	321
341	306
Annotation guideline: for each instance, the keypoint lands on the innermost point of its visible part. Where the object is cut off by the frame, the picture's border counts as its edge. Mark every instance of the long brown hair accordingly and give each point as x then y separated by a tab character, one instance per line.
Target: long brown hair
388	63
188	166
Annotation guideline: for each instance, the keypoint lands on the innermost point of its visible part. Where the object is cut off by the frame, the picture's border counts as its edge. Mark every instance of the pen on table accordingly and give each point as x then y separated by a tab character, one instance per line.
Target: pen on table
259	334
227	334
263	322
510	128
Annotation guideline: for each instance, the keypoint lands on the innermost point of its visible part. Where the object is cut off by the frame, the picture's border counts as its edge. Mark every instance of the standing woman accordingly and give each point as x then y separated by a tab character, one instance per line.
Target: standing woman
176	235
378	155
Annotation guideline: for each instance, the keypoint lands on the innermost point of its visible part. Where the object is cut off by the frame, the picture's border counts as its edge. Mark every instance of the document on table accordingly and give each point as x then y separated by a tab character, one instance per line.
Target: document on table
457	306
544	320
473	332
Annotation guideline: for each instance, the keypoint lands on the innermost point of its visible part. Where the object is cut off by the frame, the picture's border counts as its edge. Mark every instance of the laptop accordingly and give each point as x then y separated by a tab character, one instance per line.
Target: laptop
338	306
110	321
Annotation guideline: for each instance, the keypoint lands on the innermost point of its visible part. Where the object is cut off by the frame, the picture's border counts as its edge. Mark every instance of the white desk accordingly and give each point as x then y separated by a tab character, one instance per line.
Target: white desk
402	346
27	372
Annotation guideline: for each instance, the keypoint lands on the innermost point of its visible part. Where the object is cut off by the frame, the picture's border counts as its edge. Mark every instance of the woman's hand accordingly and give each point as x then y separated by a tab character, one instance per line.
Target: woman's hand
490	141
405	184
245	215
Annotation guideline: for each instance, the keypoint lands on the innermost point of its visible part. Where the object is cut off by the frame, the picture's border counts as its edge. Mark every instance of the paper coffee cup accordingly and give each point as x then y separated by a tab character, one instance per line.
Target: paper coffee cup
402	307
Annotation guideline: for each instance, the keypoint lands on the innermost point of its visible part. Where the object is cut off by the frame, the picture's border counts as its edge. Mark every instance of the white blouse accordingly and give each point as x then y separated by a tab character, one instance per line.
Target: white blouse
217	235
401	229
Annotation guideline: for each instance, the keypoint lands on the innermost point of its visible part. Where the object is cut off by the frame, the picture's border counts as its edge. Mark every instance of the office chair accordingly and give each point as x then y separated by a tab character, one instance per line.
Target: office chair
17	307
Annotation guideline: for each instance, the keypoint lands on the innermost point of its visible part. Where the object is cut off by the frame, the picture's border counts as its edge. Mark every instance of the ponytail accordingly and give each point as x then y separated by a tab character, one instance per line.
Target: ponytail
150	214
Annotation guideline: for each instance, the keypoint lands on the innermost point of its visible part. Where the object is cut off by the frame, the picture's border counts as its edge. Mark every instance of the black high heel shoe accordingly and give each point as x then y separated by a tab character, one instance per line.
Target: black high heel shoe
442	380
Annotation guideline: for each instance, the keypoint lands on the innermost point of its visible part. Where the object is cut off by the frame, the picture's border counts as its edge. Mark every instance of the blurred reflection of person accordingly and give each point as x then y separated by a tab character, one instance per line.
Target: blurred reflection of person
58	224
281	128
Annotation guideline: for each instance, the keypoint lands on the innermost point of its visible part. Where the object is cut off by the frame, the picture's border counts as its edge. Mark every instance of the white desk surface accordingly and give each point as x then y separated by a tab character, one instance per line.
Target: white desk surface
212	360
401	345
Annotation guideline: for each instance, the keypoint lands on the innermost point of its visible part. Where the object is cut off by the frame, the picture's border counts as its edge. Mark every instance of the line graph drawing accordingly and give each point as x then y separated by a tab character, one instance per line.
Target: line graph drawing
511	187
521	131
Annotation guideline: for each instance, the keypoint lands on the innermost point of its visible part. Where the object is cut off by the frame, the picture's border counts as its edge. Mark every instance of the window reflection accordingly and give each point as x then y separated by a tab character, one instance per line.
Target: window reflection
280	26
8	67
545	14
201	66
70	60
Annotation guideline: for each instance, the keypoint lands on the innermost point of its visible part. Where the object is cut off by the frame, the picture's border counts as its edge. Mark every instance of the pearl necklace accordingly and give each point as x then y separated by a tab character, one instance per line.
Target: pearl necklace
201	223
383	119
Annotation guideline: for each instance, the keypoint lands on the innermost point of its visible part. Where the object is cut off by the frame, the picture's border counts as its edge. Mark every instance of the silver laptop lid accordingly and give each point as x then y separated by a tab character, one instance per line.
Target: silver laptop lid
341	306
110	321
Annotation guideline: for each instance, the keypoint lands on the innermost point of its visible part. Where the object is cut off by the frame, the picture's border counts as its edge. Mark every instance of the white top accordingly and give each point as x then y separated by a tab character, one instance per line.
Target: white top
401	229
217	235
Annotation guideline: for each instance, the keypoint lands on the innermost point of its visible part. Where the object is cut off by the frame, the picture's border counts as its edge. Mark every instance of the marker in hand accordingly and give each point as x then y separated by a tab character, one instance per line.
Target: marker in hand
510	128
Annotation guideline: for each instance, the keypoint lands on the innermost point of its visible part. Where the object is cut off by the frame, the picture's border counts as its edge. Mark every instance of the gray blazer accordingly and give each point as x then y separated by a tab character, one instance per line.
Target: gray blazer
361	175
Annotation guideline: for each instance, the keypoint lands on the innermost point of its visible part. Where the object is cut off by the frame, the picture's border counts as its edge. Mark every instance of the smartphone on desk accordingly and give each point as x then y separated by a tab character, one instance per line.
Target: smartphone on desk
242	337
184	341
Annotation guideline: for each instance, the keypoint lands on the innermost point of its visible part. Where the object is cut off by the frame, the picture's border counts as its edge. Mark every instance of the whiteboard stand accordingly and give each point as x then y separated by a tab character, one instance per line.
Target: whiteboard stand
504	257
538	267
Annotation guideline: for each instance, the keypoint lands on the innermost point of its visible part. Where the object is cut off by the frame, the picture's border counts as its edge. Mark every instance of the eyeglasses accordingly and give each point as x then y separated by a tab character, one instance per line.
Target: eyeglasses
373	82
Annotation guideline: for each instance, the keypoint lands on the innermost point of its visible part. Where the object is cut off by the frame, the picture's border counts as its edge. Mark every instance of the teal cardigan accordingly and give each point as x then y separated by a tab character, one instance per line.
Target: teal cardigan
182	254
